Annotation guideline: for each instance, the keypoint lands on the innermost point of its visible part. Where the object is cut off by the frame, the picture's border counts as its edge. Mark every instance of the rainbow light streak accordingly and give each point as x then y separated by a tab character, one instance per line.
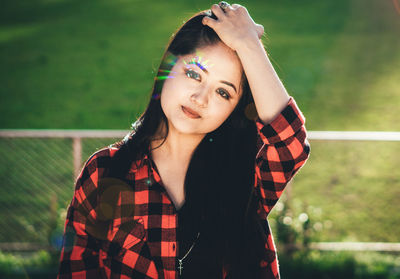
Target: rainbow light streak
197	61
163	77
165	71
168	63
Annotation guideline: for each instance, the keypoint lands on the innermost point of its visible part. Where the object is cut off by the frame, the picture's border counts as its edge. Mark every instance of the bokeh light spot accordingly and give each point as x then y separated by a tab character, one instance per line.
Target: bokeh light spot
251	112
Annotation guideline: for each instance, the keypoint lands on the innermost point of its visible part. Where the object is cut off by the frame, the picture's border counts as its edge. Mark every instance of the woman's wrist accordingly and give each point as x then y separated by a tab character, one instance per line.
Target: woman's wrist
248	45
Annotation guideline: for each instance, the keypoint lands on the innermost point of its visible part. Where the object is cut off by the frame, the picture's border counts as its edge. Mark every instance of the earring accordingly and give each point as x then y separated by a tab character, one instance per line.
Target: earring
210	139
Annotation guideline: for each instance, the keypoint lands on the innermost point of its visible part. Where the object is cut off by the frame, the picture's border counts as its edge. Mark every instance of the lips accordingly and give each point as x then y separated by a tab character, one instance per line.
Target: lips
191	113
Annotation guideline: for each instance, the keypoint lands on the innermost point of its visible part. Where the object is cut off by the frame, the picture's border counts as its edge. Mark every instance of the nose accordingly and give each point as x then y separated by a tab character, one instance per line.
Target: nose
200	98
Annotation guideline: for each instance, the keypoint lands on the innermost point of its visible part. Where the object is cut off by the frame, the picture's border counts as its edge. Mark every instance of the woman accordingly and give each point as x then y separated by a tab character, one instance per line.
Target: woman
186	194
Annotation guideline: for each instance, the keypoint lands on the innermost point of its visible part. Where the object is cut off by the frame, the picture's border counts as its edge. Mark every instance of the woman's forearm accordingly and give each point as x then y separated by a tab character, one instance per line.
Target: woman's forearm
269	94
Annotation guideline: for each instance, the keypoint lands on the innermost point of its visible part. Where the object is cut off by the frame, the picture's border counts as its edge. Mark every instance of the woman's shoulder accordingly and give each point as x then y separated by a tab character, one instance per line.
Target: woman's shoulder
98	163
103	155
94	172
103	159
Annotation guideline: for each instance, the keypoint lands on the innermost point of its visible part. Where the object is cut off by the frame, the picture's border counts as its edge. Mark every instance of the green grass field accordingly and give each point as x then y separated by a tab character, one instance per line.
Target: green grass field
91	64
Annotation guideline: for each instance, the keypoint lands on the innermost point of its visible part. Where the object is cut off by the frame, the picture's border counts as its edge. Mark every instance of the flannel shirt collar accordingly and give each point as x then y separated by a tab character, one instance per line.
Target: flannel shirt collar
146	167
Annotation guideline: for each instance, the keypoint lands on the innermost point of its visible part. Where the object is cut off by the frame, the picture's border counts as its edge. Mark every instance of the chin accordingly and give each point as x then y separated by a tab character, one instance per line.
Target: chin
185	127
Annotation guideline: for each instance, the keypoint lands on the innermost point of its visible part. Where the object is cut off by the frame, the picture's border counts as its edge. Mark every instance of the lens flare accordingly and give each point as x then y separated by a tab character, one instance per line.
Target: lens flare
197	61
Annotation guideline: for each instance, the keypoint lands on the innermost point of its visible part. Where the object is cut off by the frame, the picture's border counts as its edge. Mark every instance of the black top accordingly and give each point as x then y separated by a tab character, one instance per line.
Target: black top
198	263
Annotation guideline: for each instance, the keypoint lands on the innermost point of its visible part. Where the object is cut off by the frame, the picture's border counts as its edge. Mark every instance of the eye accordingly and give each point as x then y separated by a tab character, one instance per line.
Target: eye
190	73
224	94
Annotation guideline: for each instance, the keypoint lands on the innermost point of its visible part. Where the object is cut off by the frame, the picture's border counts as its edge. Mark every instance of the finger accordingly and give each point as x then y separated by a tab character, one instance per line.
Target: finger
217	10
260	30
209	21
229	9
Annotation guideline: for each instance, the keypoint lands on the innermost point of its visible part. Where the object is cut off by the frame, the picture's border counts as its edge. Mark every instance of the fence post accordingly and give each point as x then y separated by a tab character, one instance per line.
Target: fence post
77	154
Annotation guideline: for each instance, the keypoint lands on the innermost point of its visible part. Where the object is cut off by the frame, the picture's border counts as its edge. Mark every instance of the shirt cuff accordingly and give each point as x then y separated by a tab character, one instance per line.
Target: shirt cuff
283	126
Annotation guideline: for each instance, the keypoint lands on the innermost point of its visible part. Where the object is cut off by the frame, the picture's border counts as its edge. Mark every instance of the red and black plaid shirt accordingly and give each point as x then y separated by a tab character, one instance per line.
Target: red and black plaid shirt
113	230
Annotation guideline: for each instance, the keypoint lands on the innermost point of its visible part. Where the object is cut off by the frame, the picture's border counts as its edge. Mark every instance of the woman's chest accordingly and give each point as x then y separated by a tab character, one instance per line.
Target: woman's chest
173	180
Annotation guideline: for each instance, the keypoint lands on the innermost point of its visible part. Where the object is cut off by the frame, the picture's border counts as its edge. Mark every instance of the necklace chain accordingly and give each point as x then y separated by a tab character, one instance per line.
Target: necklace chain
180	260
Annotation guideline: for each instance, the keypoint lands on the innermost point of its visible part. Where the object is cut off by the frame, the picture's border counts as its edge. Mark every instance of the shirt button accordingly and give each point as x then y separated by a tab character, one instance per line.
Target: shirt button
148	181
173	246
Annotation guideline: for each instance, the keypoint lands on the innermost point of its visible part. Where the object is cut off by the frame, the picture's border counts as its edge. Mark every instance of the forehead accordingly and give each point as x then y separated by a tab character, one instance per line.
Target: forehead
220	61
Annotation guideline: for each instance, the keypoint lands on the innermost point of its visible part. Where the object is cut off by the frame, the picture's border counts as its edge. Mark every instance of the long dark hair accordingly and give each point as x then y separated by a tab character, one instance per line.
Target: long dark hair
223	201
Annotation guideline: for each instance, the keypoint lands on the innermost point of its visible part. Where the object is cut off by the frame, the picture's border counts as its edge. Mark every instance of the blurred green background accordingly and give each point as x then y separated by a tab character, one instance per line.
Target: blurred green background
91	65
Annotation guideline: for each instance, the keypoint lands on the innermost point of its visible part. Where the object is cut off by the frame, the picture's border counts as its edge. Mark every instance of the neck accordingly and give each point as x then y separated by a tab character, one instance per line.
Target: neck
178	147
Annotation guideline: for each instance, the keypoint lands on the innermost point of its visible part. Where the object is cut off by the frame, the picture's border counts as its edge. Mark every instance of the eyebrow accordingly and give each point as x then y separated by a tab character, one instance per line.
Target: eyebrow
198	64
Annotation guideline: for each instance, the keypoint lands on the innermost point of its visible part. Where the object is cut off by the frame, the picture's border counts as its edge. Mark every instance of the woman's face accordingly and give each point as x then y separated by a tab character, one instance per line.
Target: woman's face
202	90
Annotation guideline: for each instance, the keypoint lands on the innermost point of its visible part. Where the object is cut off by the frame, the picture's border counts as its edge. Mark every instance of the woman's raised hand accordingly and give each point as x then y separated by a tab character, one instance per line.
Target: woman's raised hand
234	25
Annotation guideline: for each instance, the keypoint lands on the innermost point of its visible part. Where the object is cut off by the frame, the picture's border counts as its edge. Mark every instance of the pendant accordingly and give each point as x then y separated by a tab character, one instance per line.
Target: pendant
180	267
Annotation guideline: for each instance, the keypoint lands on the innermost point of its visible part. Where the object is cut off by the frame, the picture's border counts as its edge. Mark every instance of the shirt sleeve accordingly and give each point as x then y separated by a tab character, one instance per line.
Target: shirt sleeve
80	251
283	149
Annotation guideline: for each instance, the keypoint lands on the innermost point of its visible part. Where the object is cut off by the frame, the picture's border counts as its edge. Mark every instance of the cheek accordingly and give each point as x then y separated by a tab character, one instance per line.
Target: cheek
173	87
166	104
169	94
221	113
